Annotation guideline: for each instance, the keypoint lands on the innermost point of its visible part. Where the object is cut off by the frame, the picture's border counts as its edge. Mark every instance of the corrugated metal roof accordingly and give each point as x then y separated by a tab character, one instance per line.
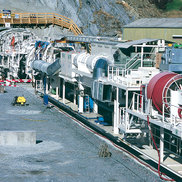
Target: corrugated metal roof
135	42
156	23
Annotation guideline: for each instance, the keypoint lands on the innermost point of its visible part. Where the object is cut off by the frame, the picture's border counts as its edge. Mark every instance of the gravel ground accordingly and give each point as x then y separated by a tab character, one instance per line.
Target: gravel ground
65	152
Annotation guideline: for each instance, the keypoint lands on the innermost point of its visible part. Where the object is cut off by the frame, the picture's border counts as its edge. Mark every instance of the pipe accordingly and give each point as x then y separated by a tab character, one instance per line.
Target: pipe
100	68
48	68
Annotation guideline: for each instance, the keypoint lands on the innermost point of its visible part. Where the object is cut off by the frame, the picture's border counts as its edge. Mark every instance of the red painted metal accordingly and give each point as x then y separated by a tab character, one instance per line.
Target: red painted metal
156	86
180	112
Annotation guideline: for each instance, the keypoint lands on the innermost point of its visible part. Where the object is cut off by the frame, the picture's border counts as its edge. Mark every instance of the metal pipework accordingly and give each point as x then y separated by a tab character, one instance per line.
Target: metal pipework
48	68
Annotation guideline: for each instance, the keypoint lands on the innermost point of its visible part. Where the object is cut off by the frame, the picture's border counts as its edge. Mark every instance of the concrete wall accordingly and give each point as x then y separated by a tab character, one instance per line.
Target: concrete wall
156	33
17	138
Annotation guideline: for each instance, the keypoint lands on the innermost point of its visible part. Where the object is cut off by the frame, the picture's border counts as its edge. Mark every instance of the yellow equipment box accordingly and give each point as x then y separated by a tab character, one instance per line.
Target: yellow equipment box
19	100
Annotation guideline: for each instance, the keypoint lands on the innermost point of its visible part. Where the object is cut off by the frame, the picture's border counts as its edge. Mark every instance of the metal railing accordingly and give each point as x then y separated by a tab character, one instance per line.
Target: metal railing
138	103
140	59
41	18
39	85
169	116
119	75
132	61
172	143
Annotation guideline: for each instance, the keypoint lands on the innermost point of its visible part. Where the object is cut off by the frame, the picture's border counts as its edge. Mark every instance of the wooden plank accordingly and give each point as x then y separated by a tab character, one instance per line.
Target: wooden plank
42	18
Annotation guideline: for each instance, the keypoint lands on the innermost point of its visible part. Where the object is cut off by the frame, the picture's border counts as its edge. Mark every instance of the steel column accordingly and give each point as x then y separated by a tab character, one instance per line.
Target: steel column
116	112
161	144
63	91
47	85
95	106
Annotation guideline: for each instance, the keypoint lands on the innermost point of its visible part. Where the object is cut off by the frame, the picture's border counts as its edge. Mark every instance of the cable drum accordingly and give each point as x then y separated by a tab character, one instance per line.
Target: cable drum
159	89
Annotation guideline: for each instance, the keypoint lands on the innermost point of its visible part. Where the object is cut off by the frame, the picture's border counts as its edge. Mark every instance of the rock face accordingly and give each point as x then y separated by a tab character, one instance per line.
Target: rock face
94	17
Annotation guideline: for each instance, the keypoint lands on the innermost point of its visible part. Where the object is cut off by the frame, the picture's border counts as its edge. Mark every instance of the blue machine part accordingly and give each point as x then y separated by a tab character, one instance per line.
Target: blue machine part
44	85
172	60
91	104
100	118
88	104
41	44
45	99
100	68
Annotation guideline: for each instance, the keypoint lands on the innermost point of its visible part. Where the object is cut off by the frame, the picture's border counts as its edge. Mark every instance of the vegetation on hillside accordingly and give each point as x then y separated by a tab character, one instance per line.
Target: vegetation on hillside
174	5
156	8
162	4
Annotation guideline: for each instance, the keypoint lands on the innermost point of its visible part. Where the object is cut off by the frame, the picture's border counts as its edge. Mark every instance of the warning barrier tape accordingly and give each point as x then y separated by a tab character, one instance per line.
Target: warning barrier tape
18	80
8	85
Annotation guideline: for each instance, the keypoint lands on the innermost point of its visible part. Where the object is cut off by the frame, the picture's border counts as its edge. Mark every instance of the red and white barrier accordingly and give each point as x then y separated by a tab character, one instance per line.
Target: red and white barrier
3	84
17	80
12	83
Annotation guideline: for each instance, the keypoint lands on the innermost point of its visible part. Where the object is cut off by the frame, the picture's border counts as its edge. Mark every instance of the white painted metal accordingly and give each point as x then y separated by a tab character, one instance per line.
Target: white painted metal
63	91
95	106
175	100
47	85
58	88
116	112
74	101
80	98
161	144
14	45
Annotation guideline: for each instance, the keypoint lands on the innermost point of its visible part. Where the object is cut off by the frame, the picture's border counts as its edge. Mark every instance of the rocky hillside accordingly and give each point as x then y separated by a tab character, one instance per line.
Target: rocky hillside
94	17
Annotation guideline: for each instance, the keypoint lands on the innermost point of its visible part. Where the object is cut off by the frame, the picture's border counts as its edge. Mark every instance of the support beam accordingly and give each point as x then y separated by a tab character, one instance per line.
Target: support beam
47	85
161	144
80	107
142	55
95	107
126	115
50	86
63	91
74	97
116	112
58	88
81	90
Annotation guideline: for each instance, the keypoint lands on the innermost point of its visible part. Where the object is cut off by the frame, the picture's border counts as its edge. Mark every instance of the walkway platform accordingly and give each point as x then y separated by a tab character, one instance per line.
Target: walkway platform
39	19
171	161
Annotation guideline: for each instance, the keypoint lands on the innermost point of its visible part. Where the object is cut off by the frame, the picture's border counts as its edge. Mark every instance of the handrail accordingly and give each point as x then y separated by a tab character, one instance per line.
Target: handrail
136	61
41	18
131	60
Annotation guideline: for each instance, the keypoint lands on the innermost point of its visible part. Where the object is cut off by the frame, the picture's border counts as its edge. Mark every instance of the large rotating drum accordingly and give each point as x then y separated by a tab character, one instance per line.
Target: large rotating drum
88	60
159	89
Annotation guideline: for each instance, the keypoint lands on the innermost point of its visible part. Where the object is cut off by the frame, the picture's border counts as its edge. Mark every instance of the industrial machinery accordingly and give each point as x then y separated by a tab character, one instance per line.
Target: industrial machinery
128	83
15	44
